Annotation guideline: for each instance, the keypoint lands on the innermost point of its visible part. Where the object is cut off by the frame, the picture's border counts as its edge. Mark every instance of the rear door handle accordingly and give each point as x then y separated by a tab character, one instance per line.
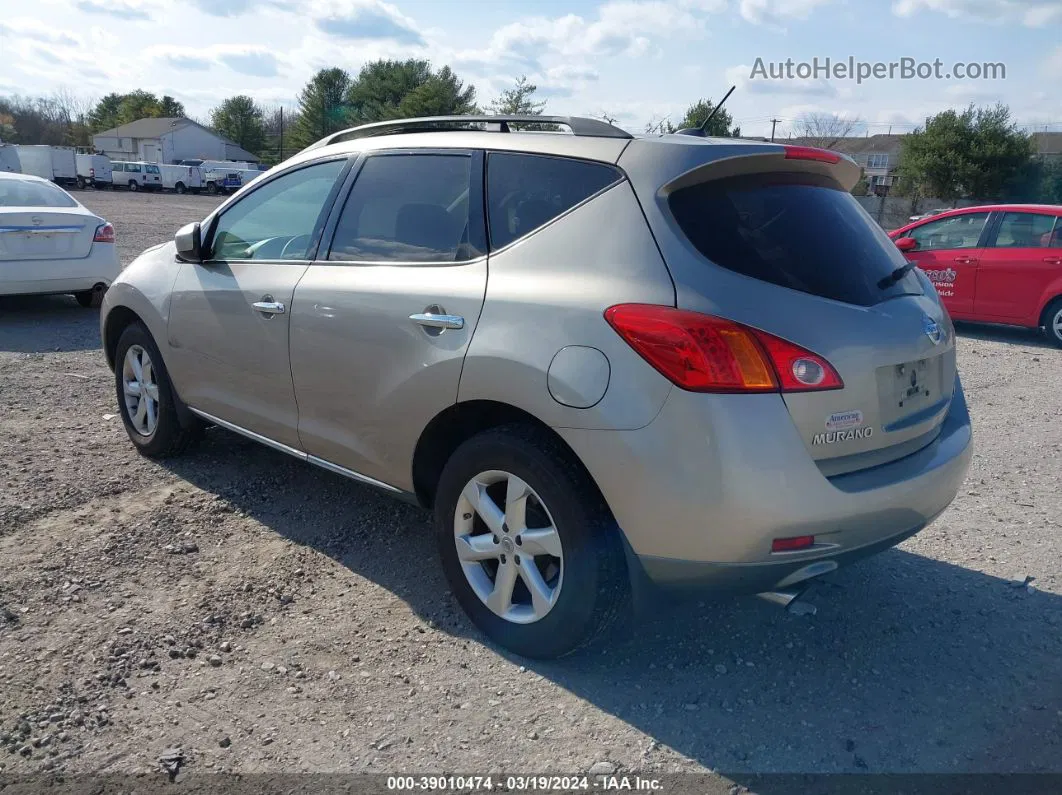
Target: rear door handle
966	260
269	307
438	321
1053	260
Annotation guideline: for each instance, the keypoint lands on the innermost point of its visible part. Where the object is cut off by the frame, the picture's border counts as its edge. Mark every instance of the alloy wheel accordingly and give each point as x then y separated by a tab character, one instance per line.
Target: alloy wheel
141	390
508	546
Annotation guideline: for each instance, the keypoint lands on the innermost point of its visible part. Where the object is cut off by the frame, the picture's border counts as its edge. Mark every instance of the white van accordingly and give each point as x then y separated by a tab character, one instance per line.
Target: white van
9	159
94	170
181	178
136	176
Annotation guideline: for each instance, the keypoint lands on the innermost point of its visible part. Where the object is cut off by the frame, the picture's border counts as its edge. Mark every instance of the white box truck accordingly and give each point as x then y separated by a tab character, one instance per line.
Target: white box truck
9	159
181	179
56	163
94	170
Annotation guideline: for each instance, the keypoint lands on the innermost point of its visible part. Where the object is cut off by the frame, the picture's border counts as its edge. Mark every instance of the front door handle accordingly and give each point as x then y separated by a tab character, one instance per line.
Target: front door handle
438	321
966	260
269	307
1053	260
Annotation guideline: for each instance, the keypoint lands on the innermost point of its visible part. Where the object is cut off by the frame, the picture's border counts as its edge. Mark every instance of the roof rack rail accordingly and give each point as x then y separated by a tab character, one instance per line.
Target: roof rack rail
578	125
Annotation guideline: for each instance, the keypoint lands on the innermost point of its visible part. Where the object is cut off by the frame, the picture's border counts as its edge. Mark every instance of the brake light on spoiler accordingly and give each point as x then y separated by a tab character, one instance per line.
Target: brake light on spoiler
811	153
704	353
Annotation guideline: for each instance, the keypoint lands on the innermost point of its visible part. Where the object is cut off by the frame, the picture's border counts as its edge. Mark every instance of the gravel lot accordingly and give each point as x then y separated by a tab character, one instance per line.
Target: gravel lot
262	615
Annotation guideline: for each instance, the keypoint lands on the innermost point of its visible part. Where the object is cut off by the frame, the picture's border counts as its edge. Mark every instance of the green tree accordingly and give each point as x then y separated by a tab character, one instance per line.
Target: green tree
322	107
978	152
105	115
241	120
406	89
170	108
138	104
720	126
518	100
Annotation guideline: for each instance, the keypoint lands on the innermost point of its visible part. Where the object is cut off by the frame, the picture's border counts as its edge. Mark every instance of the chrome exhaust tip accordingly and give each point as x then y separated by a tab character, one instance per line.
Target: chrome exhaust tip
788	600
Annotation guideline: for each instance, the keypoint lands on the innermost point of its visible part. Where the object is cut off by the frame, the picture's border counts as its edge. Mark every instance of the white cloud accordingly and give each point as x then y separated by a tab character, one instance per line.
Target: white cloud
365	19
1032	13
741	76
1053	65
622	27
775	12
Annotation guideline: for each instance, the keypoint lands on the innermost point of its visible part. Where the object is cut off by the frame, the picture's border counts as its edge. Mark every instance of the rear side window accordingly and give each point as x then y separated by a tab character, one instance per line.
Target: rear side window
407	208
525	192
799	231
1026	230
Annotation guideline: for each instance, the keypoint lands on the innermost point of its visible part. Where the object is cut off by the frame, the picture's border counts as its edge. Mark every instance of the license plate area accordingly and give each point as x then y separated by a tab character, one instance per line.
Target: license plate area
909	387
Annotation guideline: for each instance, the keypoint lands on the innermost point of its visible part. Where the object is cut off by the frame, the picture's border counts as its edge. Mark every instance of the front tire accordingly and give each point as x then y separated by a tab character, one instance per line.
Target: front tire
1053	322
212	188
146	399
528	545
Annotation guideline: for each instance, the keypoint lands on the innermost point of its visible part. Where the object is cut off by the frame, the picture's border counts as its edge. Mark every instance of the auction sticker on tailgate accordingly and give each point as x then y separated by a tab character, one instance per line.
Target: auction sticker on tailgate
993	264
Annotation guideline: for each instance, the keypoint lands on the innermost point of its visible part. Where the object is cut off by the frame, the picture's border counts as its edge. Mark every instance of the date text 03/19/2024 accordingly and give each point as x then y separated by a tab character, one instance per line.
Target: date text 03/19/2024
601	783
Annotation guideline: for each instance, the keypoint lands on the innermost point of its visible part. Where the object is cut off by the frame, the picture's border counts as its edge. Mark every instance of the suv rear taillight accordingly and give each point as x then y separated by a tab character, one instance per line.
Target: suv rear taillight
104	234
703	353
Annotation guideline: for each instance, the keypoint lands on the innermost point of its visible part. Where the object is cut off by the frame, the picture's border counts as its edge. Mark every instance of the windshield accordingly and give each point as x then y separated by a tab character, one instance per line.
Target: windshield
799	231
25	193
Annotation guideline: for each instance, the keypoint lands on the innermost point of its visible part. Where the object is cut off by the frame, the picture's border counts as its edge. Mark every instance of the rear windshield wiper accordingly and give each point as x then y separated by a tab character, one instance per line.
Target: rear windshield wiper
896	275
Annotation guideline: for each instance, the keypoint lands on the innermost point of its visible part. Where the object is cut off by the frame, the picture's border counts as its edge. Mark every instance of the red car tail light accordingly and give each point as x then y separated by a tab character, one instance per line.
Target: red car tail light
811	153
104	234
703	353
792	544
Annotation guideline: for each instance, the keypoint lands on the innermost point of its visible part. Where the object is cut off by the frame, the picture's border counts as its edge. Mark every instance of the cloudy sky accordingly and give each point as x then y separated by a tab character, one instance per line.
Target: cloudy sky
632	59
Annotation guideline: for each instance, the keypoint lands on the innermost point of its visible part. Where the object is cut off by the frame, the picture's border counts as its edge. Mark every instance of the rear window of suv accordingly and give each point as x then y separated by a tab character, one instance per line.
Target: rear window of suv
799	231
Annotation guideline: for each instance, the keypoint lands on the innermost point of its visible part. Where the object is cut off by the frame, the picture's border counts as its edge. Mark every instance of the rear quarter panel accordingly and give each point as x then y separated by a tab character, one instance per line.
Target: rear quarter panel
549	290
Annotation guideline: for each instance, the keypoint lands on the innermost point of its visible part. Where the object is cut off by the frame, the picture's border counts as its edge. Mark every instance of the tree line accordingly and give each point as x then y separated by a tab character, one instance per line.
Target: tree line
978	153
332	100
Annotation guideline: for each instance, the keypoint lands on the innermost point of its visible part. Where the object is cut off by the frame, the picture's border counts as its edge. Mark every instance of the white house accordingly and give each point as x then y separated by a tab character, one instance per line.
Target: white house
167	141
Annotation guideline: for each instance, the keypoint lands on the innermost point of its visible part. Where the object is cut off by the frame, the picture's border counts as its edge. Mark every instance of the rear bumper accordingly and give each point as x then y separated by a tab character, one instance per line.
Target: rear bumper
702	491
60	275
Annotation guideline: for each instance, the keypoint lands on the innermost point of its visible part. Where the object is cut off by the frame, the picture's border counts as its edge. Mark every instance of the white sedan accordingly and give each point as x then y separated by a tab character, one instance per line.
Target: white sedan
49	243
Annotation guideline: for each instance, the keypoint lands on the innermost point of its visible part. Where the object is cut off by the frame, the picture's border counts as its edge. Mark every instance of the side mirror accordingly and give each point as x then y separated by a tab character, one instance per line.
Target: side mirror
907	244
189	243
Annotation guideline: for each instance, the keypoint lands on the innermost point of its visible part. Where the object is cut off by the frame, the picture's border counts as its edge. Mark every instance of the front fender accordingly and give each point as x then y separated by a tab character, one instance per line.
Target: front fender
142	289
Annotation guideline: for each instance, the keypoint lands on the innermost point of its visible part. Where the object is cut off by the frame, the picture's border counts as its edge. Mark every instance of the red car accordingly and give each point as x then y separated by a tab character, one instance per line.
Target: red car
993	264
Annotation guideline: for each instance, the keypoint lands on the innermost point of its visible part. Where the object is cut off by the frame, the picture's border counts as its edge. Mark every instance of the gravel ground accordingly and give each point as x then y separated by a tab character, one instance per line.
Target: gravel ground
265	616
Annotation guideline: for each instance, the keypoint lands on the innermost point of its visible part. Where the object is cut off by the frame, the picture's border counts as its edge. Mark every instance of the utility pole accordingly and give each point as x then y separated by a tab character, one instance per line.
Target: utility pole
281	133
774	123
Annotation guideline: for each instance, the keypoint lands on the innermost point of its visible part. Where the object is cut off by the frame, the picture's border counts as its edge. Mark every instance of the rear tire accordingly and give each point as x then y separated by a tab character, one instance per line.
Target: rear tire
133	186
212	188
91	299
179	187
139	372
81	183
581	581
1053	321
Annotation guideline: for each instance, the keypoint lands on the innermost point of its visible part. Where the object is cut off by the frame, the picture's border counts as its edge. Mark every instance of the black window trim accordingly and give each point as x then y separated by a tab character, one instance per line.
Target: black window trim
477	222
326	209
621	177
